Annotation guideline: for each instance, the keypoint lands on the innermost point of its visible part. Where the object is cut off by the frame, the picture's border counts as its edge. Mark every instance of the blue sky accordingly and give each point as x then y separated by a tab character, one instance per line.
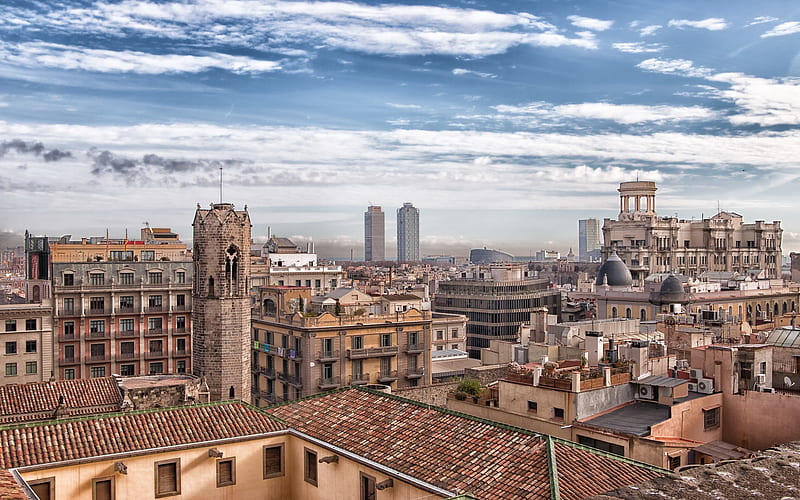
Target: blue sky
504	122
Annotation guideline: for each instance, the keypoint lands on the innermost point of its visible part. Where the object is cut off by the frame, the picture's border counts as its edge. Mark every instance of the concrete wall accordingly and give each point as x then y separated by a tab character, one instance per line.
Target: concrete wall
435	395
524	421
758	420
592	402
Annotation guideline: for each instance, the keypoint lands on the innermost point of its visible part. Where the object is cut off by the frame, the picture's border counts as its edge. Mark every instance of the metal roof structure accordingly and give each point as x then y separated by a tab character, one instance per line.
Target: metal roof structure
785	337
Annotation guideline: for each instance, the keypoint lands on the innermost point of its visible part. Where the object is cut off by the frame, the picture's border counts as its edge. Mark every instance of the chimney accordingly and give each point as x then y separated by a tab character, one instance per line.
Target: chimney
607	376
576	381
594	347
537	374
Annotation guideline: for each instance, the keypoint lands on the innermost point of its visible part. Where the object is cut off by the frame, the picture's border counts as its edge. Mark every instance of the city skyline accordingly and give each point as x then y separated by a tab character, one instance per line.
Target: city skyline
505	123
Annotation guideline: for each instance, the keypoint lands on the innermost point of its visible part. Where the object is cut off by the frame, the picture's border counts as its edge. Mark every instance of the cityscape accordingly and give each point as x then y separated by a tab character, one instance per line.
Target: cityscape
361	250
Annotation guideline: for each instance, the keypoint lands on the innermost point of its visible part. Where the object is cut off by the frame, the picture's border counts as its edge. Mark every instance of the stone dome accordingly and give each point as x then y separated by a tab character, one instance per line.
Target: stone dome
614	272
671	292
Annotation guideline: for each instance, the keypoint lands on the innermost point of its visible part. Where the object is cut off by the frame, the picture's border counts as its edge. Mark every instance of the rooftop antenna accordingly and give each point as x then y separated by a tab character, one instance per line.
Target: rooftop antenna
220	185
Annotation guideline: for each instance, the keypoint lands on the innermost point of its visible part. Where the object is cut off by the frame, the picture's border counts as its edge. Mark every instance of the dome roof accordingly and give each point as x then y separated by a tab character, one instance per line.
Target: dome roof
614	272
671	292
671	285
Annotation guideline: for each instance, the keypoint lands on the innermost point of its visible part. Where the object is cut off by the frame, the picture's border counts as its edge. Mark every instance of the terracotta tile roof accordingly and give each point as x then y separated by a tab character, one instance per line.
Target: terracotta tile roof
456	452
10	488
39	400
86	437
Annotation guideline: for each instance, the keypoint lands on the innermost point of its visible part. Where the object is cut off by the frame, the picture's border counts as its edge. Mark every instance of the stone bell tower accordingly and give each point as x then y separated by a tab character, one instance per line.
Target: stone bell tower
221	341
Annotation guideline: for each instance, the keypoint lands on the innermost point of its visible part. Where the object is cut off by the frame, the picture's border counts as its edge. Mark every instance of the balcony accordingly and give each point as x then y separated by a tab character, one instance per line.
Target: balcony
389	376
99	335
152	332
69	312
293	380
180	353
98	358
267	397
127	333
180	308
327	356
180	331
70	360
372	352
415	372
94	311
359	379
155	355
414	348
154	309
67	337
127	355
125	310
328	383
267	372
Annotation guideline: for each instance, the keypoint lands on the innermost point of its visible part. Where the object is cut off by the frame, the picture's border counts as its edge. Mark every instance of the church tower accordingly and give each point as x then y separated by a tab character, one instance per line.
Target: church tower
221	342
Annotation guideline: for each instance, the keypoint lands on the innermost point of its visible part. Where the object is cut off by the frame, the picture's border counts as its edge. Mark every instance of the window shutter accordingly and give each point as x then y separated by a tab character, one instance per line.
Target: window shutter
167	478
102	490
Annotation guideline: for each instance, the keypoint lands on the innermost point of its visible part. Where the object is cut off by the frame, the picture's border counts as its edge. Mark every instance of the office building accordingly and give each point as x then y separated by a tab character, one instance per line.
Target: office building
374	235
649	243
407	233
589	243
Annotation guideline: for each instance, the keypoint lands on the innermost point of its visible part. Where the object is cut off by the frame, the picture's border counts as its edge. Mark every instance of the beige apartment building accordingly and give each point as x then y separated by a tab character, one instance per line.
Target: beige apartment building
649	243
26	341
296	354
121	306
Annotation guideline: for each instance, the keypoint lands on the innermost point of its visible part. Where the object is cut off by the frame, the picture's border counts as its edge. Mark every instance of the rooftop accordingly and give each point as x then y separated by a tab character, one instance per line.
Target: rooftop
39	400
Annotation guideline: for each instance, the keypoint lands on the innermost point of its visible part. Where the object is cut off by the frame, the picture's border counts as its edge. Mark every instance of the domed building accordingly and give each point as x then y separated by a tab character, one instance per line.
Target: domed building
670	294
614	273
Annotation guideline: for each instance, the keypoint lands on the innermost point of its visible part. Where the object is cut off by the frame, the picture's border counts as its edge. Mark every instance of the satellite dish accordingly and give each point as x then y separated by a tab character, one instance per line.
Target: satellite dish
787	382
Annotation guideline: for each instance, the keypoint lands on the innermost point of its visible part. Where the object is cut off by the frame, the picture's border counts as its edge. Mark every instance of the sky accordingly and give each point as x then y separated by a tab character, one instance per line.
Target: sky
504	122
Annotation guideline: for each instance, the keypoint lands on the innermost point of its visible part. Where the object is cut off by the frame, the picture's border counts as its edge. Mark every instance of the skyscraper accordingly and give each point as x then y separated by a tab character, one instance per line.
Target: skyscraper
374	235
589	240
407	233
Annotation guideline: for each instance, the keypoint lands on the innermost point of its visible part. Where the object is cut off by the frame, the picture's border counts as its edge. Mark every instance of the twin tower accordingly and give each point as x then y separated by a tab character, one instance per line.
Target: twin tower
221	339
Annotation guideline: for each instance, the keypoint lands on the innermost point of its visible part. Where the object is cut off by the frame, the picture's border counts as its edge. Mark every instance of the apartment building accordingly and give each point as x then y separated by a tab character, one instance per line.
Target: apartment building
26	340
296	354
121	306
282	263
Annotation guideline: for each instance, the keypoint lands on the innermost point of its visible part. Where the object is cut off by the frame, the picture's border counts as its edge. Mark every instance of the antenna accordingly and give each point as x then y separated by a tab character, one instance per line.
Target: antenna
220	185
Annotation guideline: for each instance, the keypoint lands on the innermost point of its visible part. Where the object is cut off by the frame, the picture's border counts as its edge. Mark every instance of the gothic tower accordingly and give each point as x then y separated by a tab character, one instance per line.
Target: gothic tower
221	341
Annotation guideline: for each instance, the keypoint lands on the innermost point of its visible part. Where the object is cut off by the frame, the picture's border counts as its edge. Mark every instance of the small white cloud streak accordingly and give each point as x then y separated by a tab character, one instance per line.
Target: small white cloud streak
679	67
711	24
590	23
626	114
403	106
51	55
783	29
462	71
649	30
638	47
761	20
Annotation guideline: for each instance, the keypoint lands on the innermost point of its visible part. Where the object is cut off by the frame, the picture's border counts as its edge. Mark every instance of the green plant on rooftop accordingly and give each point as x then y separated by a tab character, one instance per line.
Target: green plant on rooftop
470	386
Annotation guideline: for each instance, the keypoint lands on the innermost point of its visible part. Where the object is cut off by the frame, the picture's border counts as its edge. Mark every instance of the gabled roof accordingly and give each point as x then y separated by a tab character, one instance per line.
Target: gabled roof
457	452
10	489
39	400
94	436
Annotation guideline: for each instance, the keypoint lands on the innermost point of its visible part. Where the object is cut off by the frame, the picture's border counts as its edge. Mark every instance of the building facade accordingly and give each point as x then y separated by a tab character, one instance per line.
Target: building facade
283	264
407	233
26	340
121	307
497	300
221	342
374	234
589	240
648	243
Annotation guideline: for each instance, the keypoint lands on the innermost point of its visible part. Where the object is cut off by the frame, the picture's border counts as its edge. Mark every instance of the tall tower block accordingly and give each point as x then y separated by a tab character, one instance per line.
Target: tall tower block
221	339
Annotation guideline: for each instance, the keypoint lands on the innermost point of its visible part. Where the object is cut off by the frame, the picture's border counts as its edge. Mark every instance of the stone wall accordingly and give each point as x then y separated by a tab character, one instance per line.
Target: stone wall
435	395
159	391
487	374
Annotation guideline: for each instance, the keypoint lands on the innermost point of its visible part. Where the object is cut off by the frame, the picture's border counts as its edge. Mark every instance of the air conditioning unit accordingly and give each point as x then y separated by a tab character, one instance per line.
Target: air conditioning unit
705	385
696	373
761	379
646	392
768	389
693	387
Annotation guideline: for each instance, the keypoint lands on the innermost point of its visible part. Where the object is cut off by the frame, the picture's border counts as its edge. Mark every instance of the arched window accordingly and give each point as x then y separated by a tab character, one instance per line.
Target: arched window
613	312
37	297
643	315
776	312
270	309
628	313
784	307
231	393
210	286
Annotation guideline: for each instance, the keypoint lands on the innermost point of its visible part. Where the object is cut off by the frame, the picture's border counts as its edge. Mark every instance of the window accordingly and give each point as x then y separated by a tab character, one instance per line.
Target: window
97	371
762	367
154	324
103	488
226	472
69	328
126	325
454	346
30	346
154	302
308	283
156	346
168	478
181	366
358	342
127	370
386	340
126	278
44	488
180	323
69	279
440	348
602	445
97	279
273	461
97	326
69	374
126	349
533	406
69	353
558	413
180	277
97	304
439	334
180	300
126	302
156	368
674	462
154	277
711	418
148	255
11	369
97	351
367	487
180	346
11	325
454	333
69	305
30	324
317	283
30	368
310	466
11	347
121	255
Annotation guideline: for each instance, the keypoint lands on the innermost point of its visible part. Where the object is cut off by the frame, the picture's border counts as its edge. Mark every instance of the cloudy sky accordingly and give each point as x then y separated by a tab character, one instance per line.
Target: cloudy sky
504	122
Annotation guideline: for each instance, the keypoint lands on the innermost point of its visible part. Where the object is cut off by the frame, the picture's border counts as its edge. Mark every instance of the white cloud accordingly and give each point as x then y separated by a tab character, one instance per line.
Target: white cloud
761	20
711	24
783	29
761	101
680	67
626	114
650	30
638	47
40	54
462	71
590	23
403	106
